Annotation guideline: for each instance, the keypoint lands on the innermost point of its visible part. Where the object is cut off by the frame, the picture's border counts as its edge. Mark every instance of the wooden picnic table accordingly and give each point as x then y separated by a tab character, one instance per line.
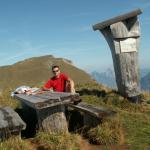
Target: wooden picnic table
49	109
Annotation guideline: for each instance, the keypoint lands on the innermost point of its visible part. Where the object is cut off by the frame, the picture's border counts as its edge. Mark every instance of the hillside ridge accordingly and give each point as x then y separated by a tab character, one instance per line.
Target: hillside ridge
37	70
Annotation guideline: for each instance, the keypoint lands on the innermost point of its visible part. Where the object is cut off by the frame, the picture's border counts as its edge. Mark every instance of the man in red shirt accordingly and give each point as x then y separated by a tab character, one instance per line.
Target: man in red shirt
59	82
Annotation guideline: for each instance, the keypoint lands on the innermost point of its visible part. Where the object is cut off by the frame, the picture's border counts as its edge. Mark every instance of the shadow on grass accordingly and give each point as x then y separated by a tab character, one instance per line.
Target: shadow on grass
99	93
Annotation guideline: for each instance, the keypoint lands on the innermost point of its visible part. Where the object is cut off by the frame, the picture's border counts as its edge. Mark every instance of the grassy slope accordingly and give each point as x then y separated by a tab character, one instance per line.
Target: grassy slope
134	120
38	70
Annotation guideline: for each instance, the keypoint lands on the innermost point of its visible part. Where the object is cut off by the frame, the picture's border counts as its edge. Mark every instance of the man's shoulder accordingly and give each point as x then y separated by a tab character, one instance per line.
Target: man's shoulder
63	75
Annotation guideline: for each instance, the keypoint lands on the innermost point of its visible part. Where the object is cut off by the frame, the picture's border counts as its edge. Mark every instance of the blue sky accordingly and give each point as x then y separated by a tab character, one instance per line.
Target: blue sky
63	28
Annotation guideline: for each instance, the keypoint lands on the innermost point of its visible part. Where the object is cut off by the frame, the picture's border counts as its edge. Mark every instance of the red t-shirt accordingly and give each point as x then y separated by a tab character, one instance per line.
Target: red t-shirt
58	84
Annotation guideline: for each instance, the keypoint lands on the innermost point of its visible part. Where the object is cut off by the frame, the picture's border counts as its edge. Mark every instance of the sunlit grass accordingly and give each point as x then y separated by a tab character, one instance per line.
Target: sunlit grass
61	141
137	130
7	100
132	118
106	133
15	143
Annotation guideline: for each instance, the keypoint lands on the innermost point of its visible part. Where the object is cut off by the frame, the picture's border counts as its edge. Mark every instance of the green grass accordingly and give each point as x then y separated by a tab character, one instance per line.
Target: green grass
15	143
7	100
106	133
133	119
137	130
55	141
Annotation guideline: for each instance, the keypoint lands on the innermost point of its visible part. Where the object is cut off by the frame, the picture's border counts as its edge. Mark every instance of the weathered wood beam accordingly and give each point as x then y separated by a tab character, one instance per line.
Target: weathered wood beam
99	112
92	115
48	99
106	23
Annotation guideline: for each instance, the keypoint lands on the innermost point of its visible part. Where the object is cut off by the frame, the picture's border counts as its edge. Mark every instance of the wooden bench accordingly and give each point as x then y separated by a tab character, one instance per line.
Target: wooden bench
93	115
10	123
48	108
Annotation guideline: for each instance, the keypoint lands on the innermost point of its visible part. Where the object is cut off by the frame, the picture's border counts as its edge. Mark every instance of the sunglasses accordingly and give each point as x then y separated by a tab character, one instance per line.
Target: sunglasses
55	70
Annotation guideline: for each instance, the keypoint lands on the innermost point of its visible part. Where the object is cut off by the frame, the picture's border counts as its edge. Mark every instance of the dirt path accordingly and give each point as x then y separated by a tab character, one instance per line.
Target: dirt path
85	145
33	145
122	140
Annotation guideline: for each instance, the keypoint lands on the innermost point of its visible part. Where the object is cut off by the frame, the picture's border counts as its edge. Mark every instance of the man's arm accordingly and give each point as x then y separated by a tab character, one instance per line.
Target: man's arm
70	85
47	89
48	86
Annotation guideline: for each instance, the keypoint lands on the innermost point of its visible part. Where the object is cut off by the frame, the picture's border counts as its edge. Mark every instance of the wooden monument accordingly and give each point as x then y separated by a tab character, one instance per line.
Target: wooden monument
123	35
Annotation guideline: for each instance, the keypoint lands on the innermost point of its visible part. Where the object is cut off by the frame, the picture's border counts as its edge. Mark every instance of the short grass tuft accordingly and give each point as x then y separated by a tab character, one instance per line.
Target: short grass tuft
15	143
58	141
106	133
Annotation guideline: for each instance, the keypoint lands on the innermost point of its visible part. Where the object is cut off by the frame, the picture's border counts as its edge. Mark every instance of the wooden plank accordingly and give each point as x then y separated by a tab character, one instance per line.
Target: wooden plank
107	23
48	99
33	101
99	112
62	95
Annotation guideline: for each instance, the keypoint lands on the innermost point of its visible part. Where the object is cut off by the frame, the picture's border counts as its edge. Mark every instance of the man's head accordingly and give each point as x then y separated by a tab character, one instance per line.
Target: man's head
56	70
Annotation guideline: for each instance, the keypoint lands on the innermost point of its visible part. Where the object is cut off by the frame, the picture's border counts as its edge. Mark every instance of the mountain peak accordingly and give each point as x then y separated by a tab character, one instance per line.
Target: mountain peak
36	70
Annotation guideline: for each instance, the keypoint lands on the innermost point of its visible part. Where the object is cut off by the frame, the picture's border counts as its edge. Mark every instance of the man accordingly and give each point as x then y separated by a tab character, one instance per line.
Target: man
59	82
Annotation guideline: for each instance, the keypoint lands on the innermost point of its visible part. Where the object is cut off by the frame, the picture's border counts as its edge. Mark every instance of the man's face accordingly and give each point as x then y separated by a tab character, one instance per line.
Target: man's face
56	71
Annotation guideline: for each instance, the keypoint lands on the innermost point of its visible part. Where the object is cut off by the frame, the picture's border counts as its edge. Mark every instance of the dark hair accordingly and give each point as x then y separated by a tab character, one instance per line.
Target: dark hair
55	66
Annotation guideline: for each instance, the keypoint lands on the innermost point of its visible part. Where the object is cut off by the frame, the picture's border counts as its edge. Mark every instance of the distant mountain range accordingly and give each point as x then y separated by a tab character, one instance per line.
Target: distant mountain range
37	70
108	78
145	82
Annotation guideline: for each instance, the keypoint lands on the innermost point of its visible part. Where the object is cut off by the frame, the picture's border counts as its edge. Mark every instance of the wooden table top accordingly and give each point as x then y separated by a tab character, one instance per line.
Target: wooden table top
47	99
